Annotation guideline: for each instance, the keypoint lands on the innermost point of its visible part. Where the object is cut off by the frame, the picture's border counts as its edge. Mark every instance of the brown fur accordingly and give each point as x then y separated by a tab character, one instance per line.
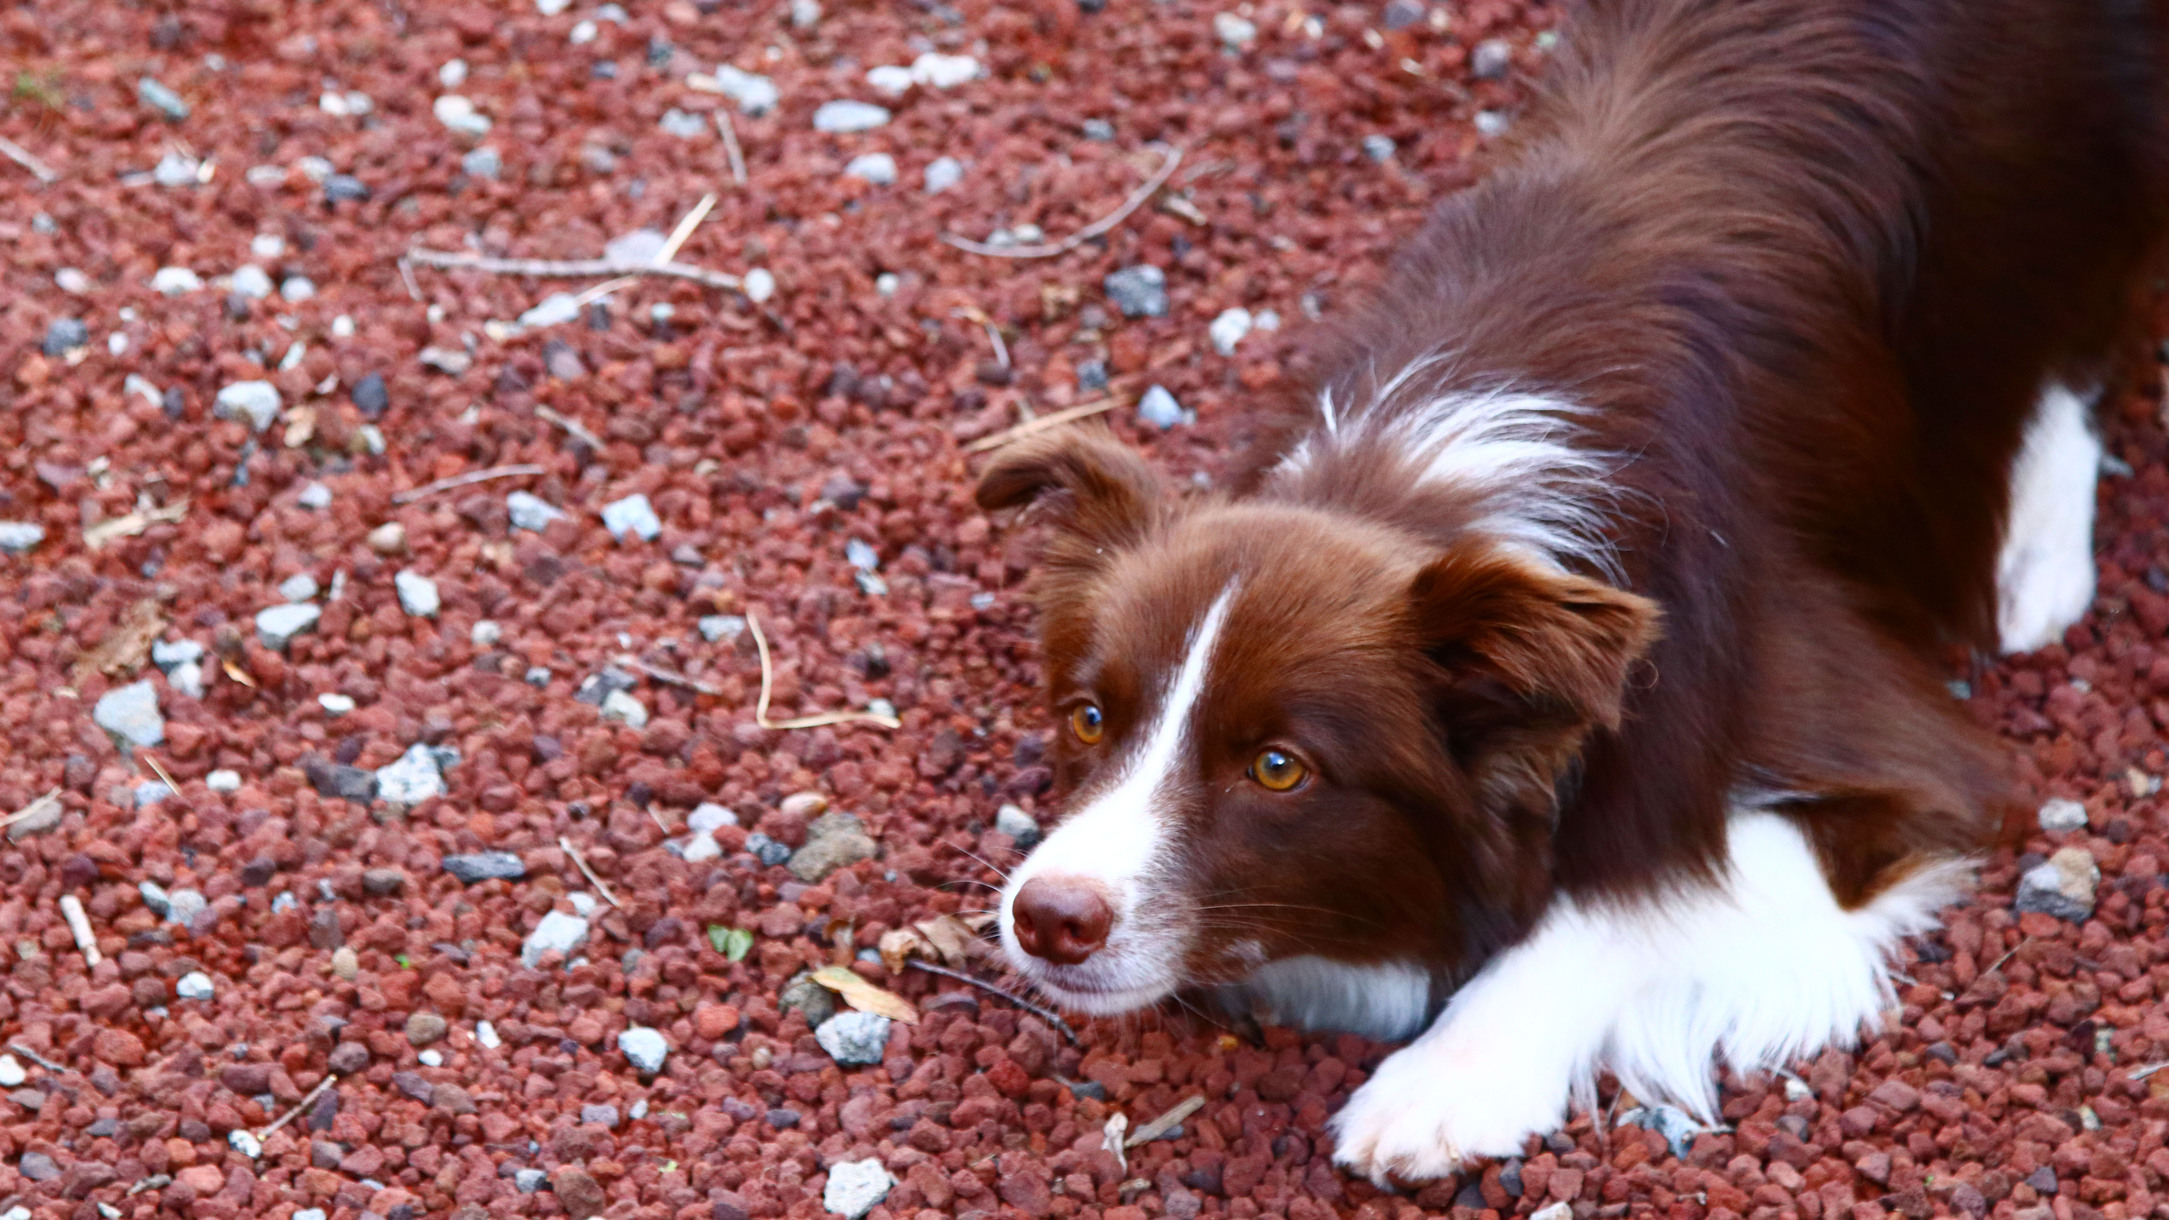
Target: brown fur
1807	263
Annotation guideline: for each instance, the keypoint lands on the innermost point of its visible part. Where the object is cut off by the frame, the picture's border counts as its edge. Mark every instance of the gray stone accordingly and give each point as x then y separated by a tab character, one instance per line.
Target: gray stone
255	403
1020	826
855	1187
1234	32
818	1003
1401	14
64	336
861	555
832	841
2061	814
131	712
877	168
195	985
150	792
645	1048
20	537
805	14
683	124
531	512
943	173
415	778
482	162
767	850
486	866
158	96
278	625
845	115
297	288
632	515
854	1038
459	115
718	627
754	94
450	361
37	1167
536	676
370	396
528	1181
1378	147
558	932
314	495
12	1074
624	708
707	818
638	246
168	655
154	897
300	587
417	593
1678	1128
344	188
601	1116
555	309
1159	408
2062	886
175	169
1492	59
1098	129
1228	329
1491	124
1139	291
182	906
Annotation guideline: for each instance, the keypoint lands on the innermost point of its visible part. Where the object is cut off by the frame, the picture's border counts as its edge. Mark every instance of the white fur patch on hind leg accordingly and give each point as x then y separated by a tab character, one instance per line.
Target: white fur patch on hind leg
1753	972
2045	569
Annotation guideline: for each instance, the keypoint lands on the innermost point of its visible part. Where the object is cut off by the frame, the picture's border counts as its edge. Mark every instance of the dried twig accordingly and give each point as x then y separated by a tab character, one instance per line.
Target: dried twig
1166	1122
303	1104
579	268
164	776
1103	224
36	1058
686	224
1044	422
129	524
472	477
768	679
23	157
156	1181
32	809
573	427
1048	1015
660	674
2141	1073
71	909
589	873
730	146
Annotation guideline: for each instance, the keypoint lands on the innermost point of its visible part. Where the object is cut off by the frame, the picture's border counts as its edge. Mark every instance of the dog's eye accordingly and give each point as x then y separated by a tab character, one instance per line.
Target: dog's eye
1089	723
1278	771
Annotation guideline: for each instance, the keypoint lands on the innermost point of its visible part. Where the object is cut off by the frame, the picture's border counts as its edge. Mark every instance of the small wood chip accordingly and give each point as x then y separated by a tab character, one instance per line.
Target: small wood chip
50	800
589	873
71	909
1166	1122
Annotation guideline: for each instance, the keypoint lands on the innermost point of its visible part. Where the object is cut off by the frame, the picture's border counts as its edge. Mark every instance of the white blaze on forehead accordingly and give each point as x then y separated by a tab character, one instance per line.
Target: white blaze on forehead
1119	837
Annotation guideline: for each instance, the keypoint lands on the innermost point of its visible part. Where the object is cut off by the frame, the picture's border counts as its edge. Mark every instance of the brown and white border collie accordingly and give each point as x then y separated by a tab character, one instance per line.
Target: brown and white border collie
1565	685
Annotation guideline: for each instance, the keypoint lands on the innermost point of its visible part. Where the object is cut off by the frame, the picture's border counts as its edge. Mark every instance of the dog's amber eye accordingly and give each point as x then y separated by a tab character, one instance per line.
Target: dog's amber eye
1278	771
1088	723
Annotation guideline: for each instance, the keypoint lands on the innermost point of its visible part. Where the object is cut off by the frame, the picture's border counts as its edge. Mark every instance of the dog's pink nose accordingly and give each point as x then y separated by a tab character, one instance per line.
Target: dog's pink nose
1061	919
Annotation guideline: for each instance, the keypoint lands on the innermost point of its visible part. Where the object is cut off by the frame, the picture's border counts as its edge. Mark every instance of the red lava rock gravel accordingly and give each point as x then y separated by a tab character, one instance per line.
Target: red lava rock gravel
268	923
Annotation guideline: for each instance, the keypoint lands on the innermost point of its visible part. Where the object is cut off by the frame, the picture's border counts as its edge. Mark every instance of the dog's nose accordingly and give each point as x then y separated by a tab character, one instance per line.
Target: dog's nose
1061	919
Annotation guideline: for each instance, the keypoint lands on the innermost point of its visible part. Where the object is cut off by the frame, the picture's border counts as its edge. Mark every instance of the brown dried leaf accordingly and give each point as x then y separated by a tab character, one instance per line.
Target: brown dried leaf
127	647
864	996
128	525
952	938
900	945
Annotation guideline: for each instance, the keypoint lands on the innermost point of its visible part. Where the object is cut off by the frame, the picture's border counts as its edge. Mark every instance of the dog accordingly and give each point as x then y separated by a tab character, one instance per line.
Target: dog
1564	685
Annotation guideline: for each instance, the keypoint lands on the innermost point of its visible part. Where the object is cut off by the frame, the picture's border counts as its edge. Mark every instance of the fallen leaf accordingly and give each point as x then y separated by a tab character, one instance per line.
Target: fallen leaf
733	943
238	674
128	525
127	646
864	996
900	945
952	938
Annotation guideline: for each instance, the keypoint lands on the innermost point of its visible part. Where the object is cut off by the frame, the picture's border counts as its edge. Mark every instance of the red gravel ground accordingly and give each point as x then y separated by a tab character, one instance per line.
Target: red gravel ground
766	435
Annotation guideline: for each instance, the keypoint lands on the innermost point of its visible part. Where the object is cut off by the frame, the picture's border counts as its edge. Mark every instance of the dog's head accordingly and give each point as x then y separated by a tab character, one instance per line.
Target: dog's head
1285	731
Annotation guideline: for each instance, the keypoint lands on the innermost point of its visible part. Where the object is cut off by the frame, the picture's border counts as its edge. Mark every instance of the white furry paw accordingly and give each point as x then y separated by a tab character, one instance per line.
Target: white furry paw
1424	1116
2041	593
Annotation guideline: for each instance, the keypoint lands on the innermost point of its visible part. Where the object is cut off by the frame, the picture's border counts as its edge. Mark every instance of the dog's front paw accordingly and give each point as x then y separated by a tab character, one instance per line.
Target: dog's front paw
1428	1112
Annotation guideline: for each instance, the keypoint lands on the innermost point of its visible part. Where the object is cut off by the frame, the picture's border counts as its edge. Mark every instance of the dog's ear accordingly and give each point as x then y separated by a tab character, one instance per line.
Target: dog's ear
1093	489
1555	642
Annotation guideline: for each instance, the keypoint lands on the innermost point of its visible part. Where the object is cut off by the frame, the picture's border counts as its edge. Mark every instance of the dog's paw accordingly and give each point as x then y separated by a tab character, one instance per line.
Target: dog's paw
1428	1112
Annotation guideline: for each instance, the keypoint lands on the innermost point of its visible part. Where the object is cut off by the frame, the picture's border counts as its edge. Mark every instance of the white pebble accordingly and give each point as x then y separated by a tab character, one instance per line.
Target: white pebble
223	781
335	704
484	633
174	281
759	285
1229	328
